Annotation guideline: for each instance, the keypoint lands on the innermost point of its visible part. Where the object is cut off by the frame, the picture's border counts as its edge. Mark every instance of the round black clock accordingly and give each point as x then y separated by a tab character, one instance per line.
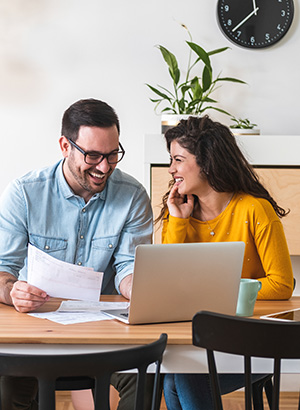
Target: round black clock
255	23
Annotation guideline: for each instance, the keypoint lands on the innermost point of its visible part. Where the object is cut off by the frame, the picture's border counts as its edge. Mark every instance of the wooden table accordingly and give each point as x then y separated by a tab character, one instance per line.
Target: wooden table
20	332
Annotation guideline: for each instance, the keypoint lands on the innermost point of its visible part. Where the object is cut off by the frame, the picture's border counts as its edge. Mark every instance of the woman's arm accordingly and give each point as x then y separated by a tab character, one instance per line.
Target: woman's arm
274	254
174	229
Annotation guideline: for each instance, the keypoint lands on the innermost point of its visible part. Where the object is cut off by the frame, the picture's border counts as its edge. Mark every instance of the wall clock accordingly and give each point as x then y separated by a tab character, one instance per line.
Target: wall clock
255	23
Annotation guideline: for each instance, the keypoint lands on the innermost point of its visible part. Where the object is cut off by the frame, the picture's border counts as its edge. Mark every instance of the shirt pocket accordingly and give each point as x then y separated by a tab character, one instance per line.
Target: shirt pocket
57	247
102	250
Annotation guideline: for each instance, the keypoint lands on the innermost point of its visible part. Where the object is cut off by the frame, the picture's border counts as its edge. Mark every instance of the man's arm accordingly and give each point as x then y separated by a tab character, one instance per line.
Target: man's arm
21	295
7	281
137	230
125	286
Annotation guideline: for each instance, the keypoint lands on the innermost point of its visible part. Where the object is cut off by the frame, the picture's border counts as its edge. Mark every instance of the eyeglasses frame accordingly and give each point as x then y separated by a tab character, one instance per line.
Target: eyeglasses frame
85	153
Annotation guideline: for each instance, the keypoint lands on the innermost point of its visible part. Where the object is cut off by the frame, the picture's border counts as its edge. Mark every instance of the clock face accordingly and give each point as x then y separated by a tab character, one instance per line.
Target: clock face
255	23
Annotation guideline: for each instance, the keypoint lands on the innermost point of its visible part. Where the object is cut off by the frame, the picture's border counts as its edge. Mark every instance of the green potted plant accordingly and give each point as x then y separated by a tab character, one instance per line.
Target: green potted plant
243	127
192	94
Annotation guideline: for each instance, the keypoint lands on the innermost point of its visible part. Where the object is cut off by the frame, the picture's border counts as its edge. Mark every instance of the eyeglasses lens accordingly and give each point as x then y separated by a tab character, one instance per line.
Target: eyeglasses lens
112	158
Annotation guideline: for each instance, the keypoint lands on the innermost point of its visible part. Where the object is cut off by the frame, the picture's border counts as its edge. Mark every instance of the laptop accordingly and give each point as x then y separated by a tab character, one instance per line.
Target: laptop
171	282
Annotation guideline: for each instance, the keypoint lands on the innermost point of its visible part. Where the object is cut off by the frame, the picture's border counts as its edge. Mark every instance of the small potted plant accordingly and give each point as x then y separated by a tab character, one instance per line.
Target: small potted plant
243	127
192	94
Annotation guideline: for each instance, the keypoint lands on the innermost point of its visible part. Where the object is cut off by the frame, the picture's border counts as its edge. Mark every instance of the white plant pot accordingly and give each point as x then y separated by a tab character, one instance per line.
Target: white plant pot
171	120
245	131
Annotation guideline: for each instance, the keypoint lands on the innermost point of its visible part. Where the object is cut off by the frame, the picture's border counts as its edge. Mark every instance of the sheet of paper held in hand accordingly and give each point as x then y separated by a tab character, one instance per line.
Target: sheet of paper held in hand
61	279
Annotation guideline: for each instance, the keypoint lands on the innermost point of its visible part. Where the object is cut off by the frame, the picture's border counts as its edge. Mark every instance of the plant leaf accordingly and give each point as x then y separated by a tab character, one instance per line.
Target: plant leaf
234	80
216	109
181	105
156	91
218	50
169	109
196	88
201	53
171	60
151	99
208	99
206	78
185	88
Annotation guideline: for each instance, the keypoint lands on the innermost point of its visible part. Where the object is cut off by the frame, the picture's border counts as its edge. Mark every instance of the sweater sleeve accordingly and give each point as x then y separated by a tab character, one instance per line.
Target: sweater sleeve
274	254
174	230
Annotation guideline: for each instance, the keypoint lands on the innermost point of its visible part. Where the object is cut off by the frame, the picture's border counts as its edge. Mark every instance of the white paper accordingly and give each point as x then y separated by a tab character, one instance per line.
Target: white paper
61	279
82	306
70	318
70	312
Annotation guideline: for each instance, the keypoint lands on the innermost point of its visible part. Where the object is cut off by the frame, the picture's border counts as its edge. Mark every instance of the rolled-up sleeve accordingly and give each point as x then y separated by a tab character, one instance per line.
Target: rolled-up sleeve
138	229
13	229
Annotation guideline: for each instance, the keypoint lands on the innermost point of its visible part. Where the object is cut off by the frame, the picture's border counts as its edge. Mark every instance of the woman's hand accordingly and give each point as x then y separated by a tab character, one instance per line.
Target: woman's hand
180	206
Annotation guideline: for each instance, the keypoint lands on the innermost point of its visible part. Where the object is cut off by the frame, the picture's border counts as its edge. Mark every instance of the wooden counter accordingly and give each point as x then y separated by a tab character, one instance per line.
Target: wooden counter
20	328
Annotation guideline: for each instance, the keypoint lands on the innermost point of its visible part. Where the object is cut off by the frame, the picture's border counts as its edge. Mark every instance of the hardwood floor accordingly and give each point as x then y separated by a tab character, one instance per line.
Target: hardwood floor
233	401
63	401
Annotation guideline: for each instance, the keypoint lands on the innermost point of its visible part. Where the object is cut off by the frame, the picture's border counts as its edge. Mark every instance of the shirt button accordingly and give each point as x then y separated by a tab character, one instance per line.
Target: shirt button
47	247
79	263
110	245
83	210
81	236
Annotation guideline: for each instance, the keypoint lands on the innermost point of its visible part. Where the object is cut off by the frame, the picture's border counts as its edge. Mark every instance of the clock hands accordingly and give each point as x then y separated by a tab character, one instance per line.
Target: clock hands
245	19
254	6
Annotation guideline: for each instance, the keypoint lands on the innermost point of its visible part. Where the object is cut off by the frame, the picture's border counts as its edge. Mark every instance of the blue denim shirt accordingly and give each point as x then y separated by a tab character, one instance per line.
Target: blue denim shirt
40	208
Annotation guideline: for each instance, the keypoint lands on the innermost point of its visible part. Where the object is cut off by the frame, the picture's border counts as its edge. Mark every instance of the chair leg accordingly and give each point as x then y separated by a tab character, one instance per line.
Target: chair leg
269	391
257	395
257	392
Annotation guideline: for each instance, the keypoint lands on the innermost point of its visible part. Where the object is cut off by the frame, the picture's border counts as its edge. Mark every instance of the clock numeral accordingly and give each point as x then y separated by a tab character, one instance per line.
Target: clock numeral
229	22
226	7
282	13
238	33
279	1
267	36
278	27
252	39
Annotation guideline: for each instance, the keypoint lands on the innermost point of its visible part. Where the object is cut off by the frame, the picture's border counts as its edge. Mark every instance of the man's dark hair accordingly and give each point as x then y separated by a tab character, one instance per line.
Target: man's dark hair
90	113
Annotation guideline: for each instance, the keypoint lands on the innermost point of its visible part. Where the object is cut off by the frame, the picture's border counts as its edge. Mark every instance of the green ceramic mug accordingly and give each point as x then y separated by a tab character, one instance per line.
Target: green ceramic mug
247	296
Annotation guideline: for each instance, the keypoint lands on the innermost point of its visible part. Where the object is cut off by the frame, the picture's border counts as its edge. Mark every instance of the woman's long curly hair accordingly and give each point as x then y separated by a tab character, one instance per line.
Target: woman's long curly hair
219	158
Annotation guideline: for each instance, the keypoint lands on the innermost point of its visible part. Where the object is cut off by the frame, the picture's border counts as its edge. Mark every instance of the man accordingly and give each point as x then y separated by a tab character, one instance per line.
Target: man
81	210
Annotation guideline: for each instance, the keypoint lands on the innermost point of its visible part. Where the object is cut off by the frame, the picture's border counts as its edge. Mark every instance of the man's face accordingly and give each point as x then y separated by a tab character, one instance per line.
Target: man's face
87	180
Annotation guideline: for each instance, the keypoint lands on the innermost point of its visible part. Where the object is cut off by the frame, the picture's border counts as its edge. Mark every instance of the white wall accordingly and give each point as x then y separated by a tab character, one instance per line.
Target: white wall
53	52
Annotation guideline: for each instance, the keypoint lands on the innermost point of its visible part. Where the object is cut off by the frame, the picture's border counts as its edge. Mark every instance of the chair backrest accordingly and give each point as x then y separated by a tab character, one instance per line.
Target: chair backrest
248	338
99	366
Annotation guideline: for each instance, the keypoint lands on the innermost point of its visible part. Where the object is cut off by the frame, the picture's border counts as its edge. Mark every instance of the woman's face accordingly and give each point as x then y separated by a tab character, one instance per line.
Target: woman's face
186	172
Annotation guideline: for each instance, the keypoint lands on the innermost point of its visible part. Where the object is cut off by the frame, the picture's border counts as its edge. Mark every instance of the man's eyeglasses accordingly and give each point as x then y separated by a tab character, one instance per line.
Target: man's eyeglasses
94	157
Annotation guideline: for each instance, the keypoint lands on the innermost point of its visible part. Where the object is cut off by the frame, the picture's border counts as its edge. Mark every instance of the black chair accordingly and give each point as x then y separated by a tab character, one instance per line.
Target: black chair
248	338
264	384
98	366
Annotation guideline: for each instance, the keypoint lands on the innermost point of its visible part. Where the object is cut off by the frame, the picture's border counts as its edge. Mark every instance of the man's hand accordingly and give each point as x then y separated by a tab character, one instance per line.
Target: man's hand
26	298
125	286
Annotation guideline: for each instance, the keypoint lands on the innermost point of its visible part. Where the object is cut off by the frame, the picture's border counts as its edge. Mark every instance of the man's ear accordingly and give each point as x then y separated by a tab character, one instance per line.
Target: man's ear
65	146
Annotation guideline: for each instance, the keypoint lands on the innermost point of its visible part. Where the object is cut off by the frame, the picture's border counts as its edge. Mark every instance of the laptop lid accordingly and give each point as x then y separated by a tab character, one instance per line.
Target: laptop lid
171	282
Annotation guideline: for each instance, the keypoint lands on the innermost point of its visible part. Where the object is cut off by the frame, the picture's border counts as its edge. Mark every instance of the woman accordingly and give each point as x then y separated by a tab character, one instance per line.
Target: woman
216	197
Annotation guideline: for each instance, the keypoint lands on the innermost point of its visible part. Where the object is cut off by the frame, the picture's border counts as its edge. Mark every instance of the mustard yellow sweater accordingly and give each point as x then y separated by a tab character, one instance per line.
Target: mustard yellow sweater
253	221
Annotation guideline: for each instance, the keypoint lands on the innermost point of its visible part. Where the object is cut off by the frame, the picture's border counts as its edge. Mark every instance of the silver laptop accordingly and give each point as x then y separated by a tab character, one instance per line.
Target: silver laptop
171	282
